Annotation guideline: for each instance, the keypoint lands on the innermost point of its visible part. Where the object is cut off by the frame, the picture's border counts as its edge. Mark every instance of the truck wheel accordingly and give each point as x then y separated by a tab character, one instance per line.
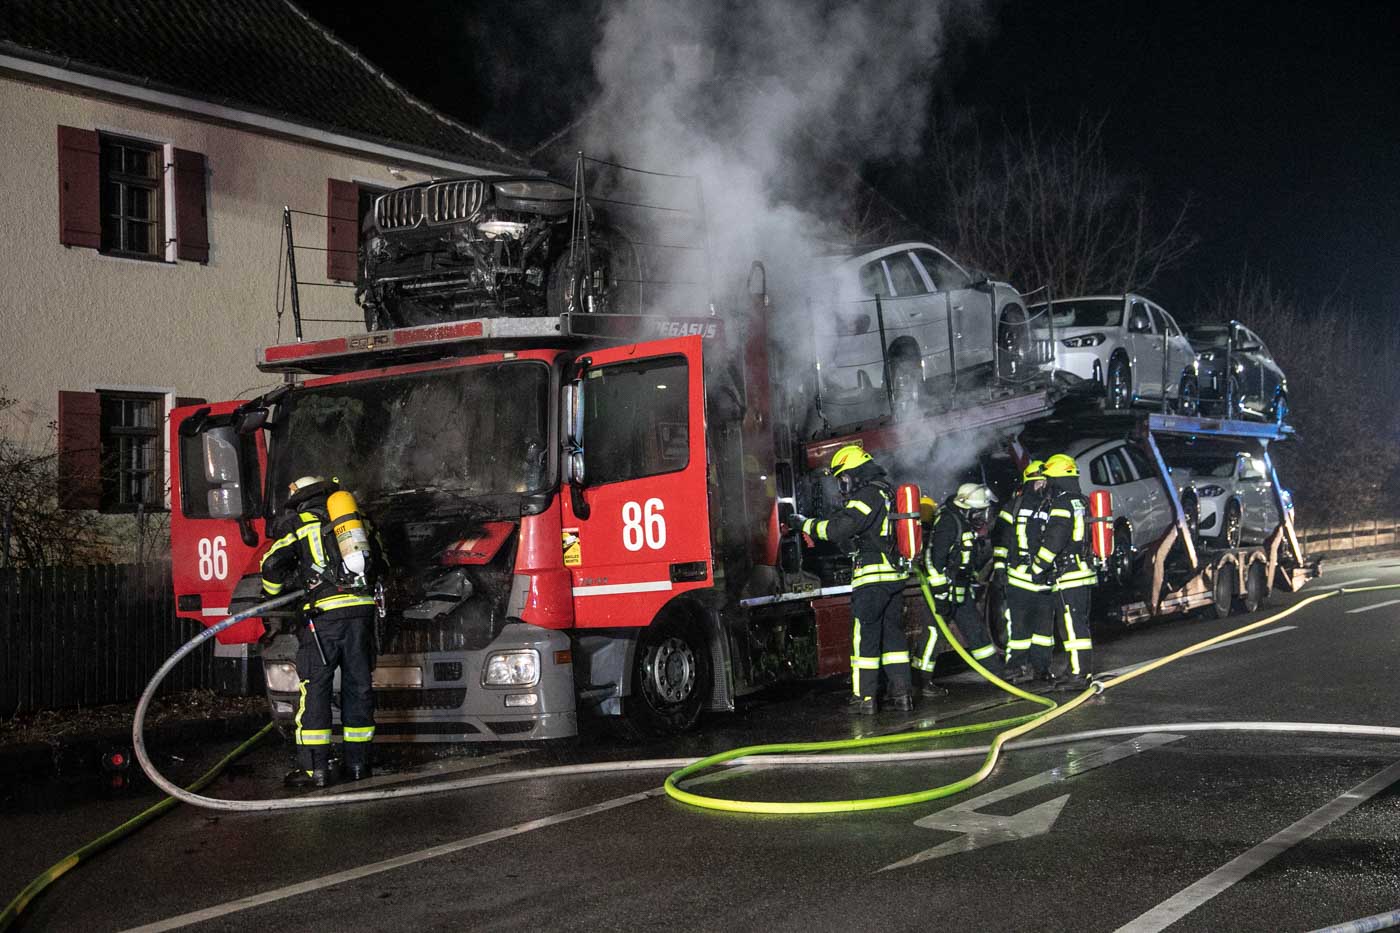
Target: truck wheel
1256	588
1120	384
1224	591
670	677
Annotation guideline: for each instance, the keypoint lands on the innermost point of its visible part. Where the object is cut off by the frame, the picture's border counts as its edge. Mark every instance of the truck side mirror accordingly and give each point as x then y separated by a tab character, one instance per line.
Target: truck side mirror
573	433
223	472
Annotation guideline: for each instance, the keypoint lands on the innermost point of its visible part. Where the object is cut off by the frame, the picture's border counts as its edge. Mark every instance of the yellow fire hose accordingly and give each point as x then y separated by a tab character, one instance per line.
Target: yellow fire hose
1014	727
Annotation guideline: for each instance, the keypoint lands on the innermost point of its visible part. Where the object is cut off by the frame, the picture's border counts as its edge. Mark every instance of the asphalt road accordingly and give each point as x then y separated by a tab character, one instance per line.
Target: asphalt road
1155	829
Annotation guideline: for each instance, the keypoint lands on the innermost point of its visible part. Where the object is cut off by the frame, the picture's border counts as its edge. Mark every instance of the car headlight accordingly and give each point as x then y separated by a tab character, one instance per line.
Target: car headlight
281	676
1210	492
1083	340
512	669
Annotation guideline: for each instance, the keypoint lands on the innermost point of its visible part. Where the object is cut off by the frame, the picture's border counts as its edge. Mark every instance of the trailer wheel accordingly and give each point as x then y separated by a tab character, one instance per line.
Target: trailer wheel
1224	590
1256	588
670	676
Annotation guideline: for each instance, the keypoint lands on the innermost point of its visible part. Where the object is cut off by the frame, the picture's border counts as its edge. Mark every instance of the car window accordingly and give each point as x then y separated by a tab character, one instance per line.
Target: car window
1141	462
1110	470
1251	468
1092	312
942	271
872	280
1172	329
1139	321
904	276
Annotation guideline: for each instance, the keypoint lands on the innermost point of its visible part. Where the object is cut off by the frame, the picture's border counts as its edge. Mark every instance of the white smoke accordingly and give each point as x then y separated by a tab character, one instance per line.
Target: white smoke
755	99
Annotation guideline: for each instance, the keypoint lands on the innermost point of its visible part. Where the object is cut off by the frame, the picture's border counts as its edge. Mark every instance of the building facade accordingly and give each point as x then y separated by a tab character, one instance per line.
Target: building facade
144	228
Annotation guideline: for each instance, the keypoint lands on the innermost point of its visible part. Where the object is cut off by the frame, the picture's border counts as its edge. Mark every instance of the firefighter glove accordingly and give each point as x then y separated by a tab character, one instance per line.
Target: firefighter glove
794	521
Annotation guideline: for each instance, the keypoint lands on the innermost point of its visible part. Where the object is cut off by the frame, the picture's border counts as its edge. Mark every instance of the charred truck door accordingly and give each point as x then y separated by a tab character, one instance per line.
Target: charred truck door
215	520
636	530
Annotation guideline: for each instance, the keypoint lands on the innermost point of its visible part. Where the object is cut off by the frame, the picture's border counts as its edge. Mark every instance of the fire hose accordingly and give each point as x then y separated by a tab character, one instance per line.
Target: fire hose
787	754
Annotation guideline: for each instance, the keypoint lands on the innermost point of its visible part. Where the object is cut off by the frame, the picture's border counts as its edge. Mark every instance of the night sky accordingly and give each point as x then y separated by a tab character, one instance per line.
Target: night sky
1279	120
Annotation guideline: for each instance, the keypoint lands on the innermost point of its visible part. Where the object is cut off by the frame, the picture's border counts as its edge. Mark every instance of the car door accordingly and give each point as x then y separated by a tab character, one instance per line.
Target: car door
973	309
1180	355
636	529
1157	513
915	312
1260	513
1109	470
848	336
1145	349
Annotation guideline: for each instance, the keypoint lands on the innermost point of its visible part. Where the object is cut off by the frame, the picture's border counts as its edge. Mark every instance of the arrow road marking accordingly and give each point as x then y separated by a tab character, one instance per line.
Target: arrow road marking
986	829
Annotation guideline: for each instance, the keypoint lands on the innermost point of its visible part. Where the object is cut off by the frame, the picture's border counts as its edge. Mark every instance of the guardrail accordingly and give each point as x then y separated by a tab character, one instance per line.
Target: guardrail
1354	536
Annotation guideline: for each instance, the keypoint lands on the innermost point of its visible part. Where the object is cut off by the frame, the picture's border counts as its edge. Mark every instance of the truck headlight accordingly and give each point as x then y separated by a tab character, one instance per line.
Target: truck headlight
281	677
1084	340
512	669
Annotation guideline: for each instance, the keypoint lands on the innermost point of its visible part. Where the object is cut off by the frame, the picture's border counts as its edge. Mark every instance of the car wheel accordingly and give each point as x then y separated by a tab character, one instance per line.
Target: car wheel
1233	525
1120	562
1224	590
1120	384
1014	357
1188	396
1192	510
572	282
670	677
906	384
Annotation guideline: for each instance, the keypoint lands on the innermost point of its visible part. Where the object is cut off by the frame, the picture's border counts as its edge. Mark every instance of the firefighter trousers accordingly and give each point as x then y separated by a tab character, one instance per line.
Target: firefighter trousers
345	636
1072	609
967	618
878	641
1030	628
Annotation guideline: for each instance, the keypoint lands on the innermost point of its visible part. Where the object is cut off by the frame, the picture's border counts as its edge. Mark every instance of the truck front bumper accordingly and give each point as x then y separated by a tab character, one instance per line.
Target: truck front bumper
442	696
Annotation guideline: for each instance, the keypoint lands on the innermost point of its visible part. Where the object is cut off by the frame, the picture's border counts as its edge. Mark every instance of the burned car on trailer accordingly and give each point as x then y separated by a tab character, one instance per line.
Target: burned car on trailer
486	246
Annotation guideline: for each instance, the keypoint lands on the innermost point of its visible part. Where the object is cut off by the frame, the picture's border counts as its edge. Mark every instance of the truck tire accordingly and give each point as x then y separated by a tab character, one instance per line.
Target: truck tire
1256	588
564	292
1224	591
670	677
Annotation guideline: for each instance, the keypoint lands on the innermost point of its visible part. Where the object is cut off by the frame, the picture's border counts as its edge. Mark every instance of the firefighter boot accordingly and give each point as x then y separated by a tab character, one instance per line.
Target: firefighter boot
933	691
301	778
1020	674
866	706
902	703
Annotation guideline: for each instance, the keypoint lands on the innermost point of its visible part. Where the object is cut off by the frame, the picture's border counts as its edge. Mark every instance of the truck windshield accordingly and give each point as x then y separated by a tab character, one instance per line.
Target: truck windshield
448	434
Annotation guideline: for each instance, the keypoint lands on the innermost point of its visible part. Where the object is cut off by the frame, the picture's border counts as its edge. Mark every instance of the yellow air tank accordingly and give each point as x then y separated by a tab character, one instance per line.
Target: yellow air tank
350	532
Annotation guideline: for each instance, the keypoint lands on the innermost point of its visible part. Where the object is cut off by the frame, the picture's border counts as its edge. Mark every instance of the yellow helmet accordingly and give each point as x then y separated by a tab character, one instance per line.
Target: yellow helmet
848	458
928	509
1034	470
1061	465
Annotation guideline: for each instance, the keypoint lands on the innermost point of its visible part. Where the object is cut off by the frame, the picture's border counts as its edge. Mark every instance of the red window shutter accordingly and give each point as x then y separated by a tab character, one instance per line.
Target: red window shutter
191	212
342	230
79	450
79	188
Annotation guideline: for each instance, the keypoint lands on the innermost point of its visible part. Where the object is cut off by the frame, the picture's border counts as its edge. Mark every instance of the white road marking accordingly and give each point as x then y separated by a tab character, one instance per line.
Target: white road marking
1388	602
985	829
400	861
1172	910
1356	581
1224	644
443	769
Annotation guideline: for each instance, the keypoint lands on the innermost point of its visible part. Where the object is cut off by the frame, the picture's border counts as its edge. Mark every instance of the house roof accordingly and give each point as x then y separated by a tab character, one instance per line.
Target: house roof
265	56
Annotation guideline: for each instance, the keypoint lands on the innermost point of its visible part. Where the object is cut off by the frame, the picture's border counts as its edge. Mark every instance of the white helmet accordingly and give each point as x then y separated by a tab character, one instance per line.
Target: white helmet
973	496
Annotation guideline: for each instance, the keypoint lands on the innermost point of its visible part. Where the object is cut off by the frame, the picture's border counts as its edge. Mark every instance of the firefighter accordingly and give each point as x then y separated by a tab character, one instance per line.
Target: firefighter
863	526
953	559
1027	603
1062	562
336	632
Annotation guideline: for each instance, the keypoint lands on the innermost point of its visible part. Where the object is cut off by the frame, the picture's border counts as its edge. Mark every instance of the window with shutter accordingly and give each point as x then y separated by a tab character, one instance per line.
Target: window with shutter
79	450
342	230
133	468
133	198
191	207
79	185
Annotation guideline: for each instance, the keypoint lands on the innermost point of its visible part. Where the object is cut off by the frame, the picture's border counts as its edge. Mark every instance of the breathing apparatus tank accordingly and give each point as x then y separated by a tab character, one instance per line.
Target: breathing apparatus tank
1101	518
908	530
350	534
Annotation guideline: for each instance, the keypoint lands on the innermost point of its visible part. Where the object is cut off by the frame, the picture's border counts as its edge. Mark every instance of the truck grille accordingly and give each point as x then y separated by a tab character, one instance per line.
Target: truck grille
399	210
442	698
452	201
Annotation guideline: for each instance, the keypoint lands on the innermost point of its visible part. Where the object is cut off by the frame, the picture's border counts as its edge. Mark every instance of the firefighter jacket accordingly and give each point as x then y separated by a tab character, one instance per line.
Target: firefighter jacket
950	556
1062	557
306	552
1017	538
863	527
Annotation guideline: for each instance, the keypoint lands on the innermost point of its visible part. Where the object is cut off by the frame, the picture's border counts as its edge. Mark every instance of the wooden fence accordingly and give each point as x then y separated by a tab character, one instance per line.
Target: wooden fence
85	636
1351	536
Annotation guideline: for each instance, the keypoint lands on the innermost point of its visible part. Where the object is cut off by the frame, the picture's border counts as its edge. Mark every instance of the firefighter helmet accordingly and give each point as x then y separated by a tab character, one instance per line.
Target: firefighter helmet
928	510
848	458
1034	470
973	496
303	488
1061	465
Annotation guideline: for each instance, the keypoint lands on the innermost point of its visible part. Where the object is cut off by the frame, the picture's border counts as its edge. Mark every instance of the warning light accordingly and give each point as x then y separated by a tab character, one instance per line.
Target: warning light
564	657
118	759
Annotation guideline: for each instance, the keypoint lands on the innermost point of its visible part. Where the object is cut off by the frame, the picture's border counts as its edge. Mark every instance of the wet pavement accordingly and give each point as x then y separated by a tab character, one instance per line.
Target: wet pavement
1144	831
